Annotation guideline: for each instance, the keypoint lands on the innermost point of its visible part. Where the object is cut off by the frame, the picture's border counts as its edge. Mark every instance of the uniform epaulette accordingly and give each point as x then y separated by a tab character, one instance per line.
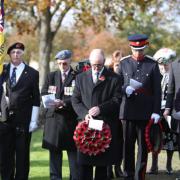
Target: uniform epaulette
150	57
125	57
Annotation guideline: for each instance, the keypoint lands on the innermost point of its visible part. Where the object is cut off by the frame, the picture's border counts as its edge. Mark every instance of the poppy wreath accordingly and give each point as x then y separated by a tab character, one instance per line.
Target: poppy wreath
90	141
153	145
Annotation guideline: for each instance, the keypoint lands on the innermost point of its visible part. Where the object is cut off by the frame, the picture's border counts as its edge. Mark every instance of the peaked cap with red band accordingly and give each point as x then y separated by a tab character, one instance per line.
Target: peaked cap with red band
138	41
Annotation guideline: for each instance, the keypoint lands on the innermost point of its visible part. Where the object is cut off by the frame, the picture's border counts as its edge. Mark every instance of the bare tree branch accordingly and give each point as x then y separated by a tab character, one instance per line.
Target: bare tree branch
59	20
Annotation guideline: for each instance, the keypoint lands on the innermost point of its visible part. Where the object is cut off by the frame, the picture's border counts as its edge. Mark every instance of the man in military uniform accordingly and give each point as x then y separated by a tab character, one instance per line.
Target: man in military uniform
141	102
60	121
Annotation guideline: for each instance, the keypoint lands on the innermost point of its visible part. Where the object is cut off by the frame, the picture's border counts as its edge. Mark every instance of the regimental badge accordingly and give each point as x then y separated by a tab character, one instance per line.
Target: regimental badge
52	89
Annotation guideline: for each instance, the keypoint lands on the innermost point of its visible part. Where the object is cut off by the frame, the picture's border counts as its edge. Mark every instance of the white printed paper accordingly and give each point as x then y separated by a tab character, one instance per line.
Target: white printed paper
96	124
135	84
48	100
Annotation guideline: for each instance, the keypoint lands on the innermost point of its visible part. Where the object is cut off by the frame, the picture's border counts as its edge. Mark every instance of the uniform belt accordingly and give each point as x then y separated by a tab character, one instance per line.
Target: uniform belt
143	91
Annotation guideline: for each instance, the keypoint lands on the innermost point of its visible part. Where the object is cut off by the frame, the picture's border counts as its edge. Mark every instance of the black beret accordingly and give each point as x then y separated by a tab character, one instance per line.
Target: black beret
17	45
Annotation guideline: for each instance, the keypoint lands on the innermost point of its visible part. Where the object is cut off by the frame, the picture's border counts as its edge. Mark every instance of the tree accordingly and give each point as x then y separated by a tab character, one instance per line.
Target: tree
43	17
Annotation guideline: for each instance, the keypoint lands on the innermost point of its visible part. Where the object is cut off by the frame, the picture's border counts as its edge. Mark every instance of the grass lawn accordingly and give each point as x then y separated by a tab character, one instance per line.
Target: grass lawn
39	169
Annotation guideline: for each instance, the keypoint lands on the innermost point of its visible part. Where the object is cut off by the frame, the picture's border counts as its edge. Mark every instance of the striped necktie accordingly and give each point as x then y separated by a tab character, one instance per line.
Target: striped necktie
13	77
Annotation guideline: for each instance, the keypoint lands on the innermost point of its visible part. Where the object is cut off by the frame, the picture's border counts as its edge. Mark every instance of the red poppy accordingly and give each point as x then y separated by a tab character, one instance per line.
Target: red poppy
102	78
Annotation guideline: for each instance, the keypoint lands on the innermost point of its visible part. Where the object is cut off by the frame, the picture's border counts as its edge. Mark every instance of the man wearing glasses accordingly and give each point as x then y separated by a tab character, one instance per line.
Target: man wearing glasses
97	94
60	119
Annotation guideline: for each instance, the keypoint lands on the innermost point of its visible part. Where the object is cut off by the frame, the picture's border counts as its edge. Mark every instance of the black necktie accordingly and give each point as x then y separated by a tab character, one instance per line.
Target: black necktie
13	77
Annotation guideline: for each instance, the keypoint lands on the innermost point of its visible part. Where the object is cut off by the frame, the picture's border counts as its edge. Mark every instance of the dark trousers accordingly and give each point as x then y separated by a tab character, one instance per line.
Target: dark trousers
86	172
56	165
6	163
135	130
16	155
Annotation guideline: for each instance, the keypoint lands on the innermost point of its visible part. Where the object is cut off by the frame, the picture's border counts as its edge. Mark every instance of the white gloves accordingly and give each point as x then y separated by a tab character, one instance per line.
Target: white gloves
129	90
155	117
34	119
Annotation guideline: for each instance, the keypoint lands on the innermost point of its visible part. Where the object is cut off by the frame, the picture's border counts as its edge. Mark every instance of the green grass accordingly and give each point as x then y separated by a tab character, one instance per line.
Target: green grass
39	169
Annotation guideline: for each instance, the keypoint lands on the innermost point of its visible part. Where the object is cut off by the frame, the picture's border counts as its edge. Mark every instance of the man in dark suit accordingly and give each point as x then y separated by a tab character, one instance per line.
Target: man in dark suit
22	94
60	121
97	93
141	102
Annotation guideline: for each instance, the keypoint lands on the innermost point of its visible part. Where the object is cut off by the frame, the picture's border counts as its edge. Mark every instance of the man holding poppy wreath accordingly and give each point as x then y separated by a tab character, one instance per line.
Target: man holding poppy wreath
97	94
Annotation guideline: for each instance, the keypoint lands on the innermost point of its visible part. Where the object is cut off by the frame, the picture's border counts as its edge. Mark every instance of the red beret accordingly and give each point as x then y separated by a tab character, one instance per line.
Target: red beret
16	45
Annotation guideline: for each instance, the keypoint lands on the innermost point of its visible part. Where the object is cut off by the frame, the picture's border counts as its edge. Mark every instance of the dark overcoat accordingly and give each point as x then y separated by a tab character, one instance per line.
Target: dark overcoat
59	123
147	100
173	87
23	96
106	94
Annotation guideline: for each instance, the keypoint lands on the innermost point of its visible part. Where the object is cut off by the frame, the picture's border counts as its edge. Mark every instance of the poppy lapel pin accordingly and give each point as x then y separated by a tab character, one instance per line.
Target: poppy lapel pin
102	78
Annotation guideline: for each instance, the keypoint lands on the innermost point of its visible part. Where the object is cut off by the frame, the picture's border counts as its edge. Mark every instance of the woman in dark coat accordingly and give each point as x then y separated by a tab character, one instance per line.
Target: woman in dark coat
164	57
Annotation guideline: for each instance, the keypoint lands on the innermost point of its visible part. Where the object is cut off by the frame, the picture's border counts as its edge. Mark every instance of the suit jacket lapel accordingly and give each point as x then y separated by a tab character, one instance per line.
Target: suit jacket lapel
23	75
90	79
58	83
69	78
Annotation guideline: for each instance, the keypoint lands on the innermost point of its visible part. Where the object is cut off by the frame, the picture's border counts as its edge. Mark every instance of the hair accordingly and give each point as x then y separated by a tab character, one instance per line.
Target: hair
116	56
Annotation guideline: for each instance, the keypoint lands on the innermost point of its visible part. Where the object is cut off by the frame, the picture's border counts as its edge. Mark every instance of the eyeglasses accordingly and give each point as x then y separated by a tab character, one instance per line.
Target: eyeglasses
63	63
97	65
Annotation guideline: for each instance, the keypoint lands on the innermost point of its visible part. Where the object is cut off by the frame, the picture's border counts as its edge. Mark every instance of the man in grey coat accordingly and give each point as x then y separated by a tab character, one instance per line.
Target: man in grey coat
173	88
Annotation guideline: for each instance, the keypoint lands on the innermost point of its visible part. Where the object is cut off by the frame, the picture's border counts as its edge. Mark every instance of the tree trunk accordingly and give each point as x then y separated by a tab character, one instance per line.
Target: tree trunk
45	45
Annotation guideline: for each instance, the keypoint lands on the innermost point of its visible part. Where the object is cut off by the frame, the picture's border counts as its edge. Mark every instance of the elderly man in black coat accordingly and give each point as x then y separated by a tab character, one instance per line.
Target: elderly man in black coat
97	93
141	102
23	98
60	118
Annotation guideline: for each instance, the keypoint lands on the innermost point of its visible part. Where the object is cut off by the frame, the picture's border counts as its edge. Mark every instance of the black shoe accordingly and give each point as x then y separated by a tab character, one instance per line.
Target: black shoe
169	171
153	171
118	171
110	174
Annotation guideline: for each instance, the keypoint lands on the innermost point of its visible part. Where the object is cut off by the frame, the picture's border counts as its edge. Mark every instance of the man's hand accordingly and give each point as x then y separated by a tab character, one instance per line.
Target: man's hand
58	103
166	113
94	111
155	117
129	90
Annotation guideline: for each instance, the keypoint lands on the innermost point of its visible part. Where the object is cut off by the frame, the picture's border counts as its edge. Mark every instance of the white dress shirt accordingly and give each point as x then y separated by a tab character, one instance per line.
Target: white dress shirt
19	70
94	75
